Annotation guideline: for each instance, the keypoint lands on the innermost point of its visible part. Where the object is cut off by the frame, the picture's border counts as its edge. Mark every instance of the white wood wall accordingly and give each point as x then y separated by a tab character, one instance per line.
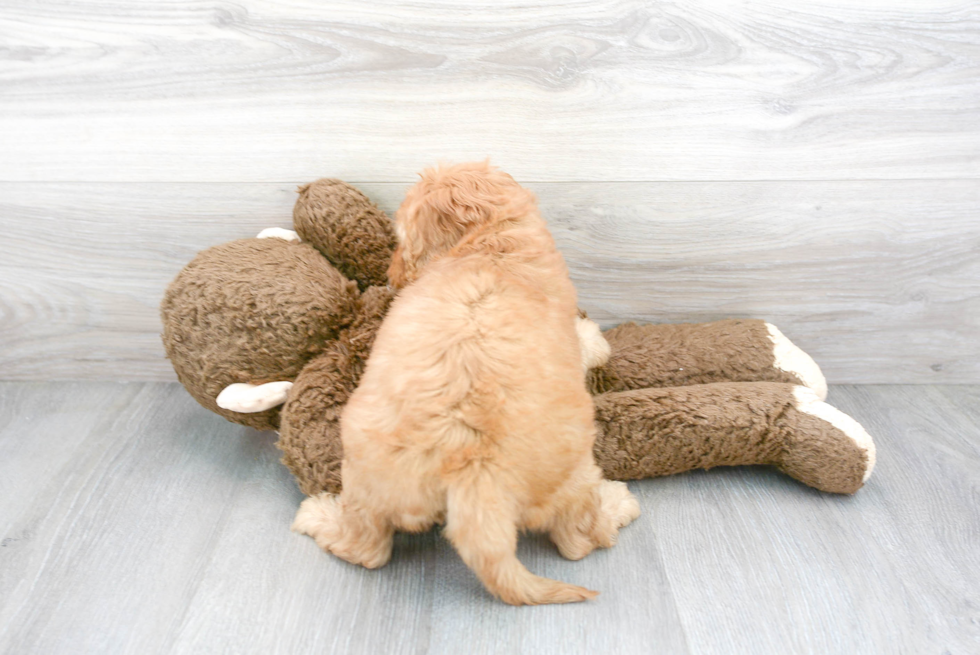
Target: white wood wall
816	164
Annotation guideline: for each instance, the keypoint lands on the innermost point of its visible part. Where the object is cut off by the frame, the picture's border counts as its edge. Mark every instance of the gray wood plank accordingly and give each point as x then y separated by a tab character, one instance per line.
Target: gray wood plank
636	611
109	542
135	522
758	564
267	590
44	429
874	280
618	90
879	281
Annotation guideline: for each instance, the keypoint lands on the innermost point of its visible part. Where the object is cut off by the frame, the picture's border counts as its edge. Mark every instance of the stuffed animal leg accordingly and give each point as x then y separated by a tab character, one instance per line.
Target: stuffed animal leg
677	355
652	432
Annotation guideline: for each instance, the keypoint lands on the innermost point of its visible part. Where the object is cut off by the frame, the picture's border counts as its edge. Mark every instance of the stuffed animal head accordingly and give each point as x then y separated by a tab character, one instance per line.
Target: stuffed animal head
259	310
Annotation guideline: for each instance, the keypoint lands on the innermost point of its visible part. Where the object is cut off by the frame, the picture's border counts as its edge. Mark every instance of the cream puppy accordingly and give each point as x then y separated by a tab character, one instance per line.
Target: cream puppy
472	410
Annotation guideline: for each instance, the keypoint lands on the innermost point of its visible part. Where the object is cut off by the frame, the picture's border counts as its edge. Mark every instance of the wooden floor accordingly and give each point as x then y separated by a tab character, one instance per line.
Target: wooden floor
133	521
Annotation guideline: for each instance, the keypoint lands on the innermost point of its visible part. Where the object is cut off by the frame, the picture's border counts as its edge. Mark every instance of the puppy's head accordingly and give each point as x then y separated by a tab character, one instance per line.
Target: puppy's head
445	205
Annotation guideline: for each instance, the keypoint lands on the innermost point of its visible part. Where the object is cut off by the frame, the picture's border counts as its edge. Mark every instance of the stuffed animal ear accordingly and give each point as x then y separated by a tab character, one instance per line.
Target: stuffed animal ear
347	228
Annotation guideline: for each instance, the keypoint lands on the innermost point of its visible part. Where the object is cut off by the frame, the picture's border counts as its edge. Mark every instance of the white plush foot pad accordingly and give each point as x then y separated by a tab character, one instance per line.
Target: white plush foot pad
278	233
790	358
250	398
595	348
808	402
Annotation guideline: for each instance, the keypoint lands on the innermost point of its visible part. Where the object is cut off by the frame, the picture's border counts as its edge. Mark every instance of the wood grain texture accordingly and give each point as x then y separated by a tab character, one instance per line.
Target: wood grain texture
616	90
879	281
893	569
133	521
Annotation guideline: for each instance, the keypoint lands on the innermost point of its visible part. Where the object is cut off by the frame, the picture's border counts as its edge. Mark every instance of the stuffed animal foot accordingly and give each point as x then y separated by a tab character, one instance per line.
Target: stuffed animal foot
349	534
790	358
249	398
654	432
816	454
678	355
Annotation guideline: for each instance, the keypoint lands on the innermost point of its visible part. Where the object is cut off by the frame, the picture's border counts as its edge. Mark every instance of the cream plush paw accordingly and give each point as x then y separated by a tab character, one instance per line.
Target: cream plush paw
595	348
792	359
249	398
278	233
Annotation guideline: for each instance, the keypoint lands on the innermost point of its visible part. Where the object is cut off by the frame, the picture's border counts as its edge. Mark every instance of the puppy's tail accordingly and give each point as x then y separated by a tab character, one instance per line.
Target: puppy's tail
480	524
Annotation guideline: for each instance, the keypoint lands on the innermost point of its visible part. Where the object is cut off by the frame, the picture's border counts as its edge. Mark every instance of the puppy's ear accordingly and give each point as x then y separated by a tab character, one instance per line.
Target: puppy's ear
464	203
446	205
424	233
398	276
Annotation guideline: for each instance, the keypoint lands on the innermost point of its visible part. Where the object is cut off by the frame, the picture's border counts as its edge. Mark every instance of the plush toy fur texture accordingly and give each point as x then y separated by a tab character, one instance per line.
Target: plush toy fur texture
685	354
220	327
723	424
309	432
670	398
359	244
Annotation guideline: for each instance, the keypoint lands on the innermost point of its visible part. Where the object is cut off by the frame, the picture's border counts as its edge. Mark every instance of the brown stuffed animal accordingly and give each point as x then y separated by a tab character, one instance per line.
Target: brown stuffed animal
288	319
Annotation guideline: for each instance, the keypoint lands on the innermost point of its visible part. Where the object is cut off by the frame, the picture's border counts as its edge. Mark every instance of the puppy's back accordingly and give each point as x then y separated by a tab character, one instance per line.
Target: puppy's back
473	406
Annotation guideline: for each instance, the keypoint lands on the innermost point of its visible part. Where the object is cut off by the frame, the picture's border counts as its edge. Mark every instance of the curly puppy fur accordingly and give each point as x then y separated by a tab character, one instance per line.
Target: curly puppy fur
473	408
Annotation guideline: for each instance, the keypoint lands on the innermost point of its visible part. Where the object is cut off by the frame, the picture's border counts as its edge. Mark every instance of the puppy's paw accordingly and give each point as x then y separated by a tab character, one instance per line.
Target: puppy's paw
278	233
349	536
319	517
572	544
618	503
616	508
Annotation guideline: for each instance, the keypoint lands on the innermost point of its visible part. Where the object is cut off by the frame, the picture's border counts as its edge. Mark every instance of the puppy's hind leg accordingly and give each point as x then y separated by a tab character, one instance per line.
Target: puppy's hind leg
350	533
590	513
481	525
